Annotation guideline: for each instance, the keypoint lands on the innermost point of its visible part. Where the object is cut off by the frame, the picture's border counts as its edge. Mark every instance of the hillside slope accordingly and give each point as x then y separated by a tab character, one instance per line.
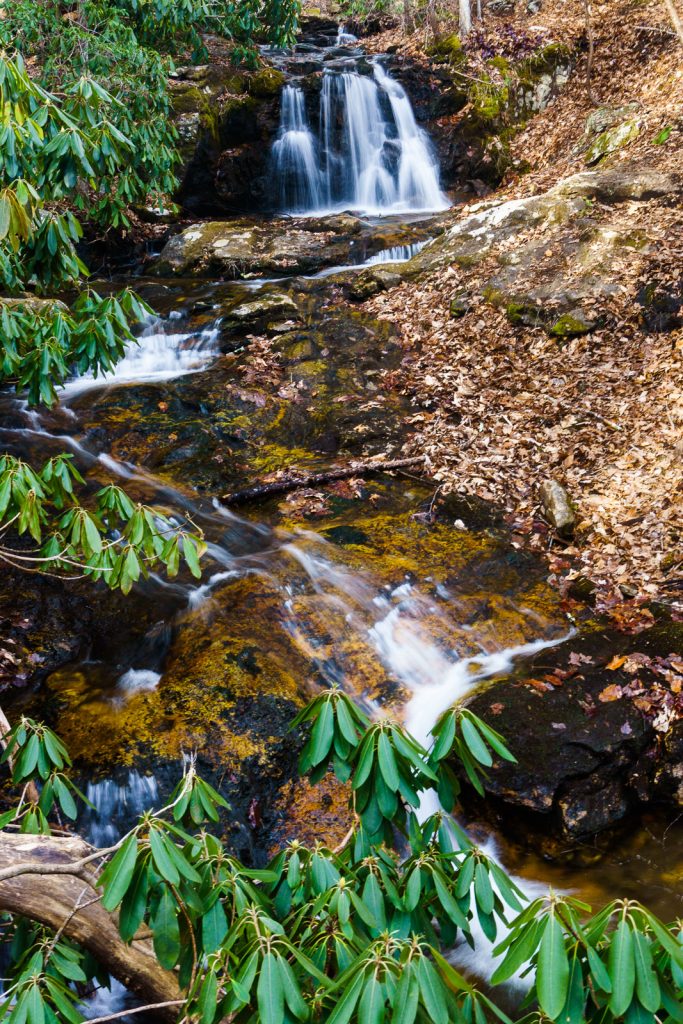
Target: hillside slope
555	350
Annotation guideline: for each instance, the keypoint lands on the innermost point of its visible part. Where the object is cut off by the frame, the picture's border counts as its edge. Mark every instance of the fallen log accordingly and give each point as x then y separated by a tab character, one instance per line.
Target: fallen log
70	904
294	483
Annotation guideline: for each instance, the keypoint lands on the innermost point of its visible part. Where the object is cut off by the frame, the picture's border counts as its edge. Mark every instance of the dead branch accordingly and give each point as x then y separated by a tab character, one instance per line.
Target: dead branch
56	899
294	483
675	18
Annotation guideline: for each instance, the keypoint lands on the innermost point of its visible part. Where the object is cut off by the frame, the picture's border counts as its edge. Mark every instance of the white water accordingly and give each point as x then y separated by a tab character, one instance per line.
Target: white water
345	38
369	156
111	800
160	353
137	680
295	155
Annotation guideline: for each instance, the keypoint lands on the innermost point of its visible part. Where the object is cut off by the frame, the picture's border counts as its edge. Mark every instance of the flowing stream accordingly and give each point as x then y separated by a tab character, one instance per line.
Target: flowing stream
366	591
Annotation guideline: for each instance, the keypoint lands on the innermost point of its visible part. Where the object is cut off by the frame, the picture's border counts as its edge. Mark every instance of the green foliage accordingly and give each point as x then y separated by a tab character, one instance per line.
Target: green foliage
352	935
364	10
116	540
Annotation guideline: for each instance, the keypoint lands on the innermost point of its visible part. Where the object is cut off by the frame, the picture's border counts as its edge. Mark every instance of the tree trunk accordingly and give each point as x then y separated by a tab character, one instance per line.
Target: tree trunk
70	902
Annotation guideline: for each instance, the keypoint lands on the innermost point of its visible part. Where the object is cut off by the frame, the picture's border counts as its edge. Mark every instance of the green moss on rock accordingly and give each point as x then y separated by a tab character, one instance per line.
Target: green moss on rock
571	325
448	48
267	82
611	140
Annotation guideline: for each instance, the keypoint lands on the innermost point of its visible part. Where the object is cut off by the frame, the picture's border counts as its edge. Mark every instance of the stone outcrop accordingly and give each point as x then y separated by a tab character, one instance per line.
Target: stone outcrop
240	248
531	289
226	120
587	756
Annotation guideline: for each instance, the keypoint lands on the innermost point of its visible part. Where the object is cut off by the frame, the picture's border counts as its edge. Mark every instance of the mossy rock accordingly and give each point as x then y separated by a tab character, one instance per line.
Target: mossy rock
544	61
448	48
188	98
489	101
267	82
459	306
523	313
571	325
610	141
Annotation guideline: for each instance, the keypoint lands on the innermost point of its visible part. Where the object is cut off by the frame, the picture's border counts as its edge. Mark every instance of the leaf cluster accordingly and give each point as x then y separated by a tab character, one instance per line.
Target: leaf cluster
116	540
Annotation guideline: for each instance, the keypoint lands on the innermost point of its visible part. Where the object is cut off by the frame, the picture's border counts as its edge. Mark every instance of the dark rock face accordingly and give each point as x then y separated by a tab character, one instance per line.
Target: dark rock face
45	627
587	756
226	120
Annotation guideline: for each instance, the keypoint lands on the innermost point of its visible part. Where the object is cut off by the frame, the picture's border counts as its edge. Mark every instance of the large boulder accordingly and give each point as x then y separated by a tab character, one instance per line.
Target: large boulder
226	119
588	752
241	248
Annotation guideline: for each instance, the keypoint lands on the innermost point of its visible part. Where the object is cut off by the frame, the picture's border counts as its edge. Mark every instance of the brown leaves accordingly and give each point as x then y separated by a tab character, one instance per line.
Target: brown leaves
610	693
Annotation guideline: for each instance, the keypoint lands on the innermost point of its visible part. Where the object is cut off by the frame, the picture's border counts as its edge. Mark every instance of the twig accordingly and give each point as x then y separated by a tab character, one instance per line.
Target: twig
137	1009
293	483
675	18
655	28
70	916
591	49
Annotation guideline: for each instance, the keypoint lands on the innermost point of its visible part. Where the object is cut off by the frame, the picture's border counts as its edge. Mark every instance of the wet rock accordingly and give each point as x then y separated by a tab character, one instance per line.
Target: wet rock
372	281
577	758
593	810
610	141
226	119
262	308
236	249
587	755
557	507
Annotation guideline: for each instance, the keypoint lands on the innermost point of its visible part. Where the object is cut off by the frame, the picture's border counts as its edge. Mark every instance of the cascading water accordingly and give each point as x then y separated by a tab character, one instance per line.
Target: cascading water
370	155
295	156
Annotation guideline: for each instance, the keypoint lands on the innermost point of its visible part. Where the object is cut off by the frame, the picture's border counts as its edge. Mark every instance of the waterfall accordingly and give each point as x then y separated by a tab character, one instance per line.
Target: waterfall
295	157
370	156
345	38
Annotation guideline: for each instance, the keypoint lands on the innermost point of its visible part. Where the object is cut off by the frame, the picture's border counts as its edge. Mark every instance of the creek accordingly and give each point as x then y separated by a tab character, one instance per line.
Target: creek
366	584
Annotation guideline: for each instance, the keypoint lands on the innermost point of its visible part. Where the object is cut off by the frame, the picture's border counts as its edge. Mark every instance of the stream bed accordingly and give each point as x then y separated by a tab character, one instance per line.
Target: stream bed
407	602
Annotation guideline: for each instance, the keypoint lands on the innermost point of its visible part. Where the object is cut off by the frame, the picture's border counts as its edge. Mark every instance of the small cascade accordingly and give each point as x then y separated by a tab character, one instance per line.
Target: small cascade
370	155
159	353
396	254
115	805
295	156
345	38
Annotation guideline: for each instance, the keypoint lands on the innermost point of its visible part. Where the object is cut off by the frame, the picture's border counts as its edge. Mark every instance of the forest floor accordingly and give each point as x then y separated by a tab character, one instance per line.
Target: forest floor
501	408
